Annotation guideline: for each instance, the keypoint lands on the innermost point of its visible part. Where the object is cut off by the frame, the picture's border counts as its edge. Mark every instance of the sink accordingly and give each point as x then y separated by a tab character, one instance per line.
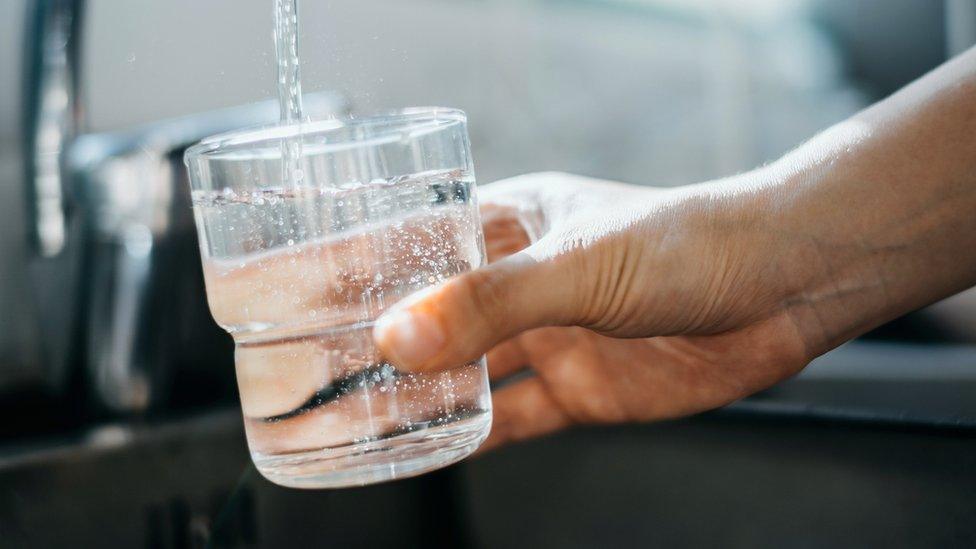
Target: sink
845	455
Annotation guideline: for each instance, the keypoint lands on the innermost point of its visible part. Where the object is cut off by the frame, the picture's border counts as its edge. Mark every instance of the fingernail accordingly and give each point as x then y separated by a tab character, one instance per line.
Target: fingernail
409	338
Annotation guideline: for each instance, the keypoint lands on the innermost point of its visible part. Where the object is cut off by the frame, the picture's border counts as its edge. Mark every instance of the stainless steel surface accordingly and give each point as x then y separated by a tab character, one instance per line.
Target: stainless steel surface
20	344
53	115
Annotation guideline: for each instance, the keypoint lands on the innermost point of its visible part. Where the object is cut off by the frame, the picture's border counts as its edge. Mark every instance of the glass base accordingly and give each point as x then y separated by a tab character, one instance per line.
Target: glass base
400	456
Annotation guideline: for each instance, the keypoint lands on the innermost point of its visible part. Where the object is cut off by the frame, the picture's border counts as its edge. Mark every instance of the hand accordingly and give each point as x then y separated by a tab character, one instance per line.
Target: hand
613	261
723	288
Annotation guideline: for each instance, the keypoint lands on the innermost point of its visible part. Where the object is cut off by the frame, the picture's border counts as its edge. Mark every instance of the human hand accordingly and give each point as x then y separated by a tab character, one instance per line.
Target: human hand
627	303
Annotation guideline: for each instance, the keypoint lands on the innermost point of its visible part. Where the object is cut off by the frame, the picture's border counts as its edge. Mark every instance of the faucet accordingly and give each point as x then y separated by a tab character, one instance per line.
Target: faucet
119	285
52	115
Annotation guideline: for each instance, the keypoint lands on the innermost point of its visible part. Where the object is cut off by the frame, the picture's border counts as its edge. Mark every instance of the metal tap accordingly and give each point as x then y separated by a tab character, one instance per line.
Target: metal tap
115	268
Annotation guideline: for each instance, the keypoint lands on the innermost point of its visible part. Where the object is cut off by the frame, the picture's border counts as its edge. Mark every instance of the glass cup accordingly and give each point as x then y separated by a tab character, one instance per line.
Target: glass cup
301	256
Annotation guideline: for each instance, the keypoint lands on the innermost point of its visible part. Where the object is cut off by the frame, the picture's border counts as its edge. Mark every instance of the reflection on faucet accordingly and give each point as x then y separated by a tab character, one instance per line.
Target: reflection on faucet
52	116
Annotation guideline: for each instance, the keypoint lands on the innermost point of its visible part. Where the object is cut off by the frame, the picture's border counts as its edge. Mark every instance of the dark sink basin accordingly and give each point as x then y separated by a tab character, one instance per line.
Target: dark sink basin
844	456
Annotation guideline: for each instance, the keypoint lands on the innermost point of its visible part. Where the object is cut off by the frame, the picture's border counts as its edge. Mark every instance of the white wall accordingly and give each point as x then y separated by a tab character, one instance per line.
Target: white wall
618	93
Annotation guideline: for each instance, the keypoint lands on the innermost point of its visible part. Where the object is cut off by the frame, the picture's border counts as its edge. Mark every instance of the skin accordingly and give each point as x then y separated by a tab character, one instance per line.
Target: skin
630	303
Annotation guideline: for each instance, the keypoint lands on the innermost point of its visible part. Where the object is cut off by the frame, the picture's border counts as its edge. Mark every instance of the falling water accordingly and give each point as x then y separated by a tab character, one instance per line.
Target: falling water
289	86
286	52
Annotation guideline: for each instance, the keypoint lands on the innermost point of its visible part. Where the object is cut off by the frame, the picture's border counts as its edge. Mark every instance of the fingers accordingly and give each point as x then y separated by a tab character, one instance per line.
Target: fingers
504	232
321	279
364	410
523	410
275	379
506	359
458	321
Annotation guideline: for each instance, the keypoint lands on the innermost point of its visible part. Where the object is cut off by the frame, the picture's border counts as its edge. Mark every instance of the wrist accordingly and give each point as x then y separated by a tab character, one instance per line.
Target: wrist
859	246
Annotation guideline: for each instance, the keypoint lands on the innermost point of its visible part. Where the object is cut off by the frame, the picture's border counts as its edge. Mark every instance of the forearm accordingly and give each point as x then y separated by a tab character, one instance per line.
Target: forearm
877	216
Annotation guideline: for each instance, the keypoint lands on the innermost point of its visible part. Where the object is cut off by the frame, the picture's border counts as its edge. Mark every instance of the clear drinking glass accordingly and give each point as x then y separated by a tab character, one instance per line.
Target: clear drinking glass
299	263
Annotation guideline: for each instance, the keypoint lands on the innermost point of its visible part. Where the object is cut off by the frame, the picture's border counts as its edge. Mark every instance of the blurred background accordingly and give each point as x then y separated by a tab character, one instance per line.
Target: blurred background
118	392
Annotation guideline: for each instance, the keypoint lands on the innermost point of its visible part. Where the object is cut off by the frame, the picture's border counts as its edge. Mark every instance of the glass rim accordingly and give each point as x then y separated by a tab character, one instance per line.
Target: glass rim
249	136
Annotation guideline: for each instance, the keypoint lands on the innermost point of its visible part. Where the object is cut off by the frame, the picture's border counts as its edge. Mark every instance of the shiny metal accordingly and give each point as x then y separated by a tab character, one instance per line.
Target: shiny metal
145	317
53	116
115	275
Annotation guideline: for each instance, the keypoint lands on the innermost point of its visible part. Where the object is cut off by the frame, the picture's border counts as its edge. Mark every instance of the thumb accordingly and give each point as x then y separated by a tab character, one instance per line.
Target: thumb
456	322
